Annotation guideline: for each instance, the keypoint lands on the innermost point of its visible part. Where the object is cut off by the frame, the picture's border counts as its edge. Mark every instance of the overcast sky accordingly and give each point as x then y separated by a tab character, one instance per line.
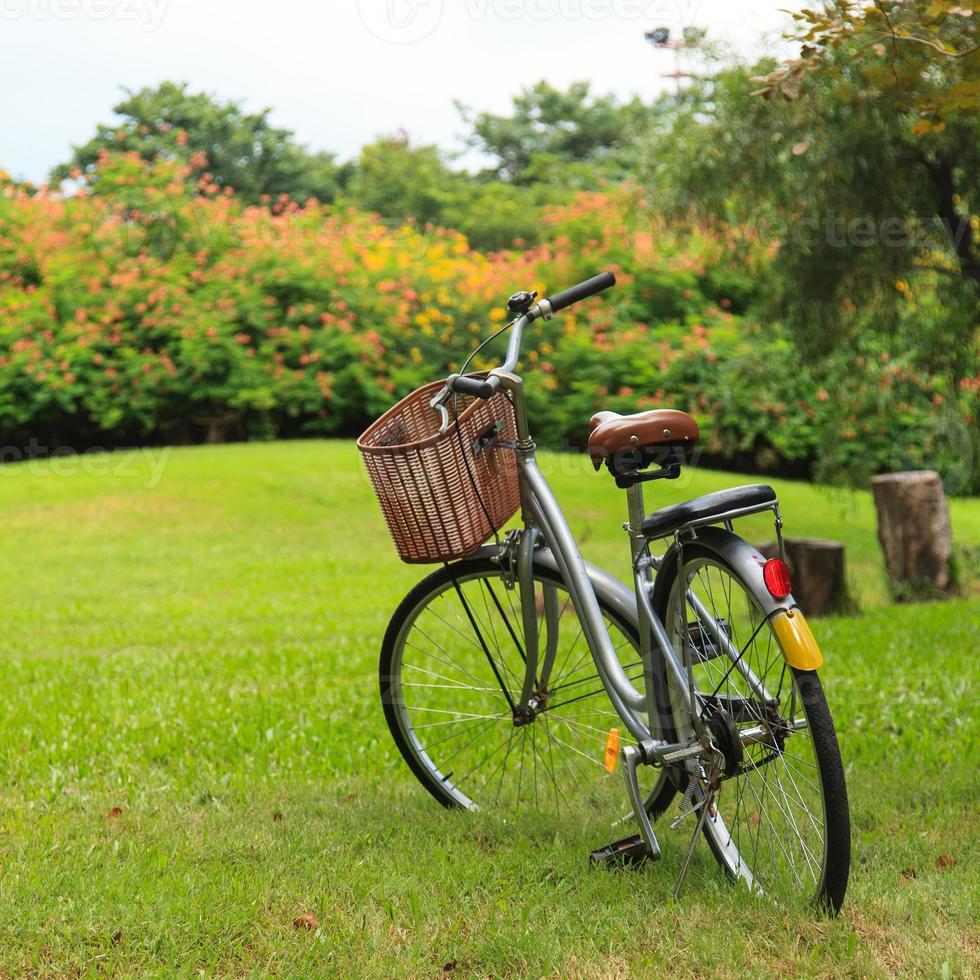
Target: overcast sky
338	72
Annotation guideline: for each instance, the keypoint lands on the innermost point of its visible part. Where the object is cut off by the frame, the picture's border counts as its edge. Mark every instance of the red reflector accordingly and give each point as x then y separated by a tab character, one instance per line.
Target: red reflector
776	576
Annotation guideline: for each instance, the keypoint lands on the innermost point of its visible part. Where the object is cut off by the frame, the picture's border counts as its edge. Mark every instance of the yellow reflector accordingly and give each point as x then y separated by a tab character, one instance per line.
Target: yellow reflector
799	647
612	750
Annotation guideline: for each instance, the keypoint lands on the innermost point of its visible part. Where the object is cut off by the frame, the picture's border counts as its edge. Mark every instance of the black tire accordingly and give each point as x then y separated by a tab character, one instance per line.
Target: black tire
831	883
441	583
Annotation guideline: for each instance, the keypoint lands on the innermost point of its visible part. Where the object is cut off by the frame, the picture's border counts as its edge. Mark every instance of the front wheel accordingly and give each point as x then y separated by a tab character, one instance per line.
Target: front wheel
780	819
452	666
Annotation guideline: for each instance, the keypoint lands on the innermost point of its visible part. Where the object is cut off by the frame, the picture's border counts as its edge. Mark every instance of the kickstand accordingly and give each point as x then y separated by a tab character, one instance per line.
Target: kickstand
705	806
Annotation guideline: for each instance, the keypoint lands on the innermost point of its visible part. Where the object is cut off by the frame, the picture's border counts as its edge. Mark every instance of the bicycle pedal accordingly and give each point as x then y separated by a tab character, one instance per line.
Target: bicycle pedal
630	852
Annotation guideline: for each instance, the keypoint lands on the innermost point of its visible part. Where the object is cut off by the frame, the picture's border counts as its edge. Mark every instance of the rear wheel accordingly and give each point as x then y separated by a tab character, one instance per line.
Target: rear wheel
780	820
452	667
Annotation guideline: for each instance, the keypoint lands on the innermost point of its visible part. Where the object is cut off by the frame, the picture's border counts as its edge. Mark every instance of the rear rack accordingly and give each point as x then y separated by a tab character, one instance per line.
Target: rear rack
726	519
731	515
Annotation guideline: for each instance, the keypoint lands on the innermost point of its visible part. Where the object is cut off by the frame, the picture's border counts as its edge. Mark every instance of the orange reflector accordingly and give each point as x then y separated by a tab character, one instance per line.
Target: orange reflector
612	750
795	637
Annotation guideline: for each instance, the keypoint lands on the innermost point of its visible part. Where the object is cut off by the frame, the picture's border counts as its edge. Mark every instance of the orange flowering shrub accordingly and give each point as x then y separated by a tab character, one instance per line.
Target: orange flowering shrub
158	307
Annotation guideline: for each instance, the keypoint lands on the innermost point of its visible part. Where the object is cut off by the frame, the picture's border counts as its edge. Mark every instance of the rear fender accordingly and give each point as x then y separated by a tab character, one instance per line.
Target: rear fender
796	640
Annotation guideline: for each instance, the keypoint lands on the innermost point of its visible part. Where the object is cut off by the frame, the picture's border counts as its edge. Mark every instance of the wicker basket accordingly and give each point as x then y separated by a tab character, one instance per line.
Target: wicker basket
443	495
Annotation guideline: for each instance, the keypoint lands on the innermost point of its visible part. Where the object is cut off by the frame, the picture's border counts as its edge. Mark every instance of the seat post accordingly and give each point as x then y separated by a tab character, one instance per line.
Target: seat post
634	502
658	704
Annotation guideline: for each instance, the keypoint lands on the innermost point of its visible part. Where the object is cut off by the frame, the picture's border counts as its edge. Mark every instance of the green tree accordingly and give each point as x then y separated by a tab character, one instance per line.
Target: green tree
400	182
550	128
831	161
920	63
240	150
495	215
930	52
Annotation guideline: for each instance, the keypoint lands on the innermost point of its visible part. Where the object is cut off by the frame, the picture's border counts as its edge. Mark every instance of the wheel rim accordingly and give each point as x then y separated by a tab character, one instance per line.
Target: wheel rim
457	723
768	823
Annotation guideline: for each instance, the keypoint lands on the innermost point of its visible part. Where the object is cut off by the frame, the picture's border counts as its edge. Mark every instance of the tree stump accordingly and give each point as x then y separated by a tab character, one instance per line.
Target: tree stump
914	531
818	573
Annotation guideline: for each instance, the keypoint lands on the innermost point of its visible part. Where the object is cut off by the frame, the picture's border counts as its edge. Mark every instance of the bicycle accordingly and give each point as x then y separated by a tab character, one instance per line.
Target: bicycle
507	674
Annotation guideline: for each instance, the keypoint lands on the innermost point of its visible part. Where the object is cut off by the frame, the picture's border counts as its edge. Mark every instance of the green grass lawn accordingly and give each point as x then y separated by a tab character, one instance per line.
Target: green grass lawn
199	650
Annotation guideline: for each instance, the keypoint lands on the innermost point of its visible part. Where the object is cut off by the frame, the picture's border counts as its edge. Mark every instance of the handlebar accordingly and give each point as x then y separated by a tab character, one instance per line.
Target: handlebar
582	291
478	387
486	387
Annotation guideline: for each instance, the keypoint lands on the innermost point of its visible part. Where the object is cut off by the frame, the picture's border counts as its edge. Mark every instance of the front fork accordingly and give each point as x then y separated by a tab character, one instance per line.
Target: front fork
534	691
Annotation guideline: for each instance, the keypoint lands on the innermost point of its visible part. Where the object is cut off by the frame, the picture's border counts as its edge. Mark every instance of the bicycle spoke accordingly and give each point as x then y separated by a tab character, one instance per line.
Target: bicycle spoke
770	814
480	733
461	660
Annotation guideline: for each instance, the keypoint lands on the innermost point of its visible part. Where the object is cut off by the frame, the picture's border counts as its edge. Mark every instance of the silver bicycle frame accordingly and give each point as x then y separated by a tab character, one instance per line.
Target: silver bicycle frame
543	516
669	700
676	730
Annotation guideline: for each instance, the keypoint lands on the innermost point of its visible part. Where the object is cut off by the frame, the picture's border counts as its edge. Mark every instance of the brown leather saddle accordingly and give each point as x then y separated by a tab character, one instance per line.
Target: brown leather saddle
628	444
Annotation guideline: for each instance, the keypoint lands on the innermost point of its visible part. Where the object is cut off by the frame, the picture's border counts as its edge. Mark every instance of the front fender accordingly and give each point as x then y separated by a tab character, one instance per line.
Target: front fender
618	596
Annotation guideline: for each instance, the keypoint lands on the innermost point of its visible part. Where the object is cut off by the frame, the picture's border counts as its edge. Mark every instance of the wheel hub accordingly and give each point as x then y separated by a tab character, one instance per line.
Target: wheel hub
778	727
726	739
523	716
537	704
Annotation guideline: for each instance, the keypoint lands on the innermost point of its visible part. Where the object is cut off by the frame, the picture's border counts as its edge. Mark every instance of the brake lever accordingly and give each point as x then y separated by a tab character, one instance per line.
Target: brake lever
439	402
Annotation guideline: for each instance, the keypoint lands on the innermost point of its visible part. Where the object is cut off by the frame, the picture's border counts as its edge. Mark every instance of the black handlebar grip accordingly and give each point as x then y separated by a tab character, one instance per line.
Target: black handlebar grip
478	387
582	291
